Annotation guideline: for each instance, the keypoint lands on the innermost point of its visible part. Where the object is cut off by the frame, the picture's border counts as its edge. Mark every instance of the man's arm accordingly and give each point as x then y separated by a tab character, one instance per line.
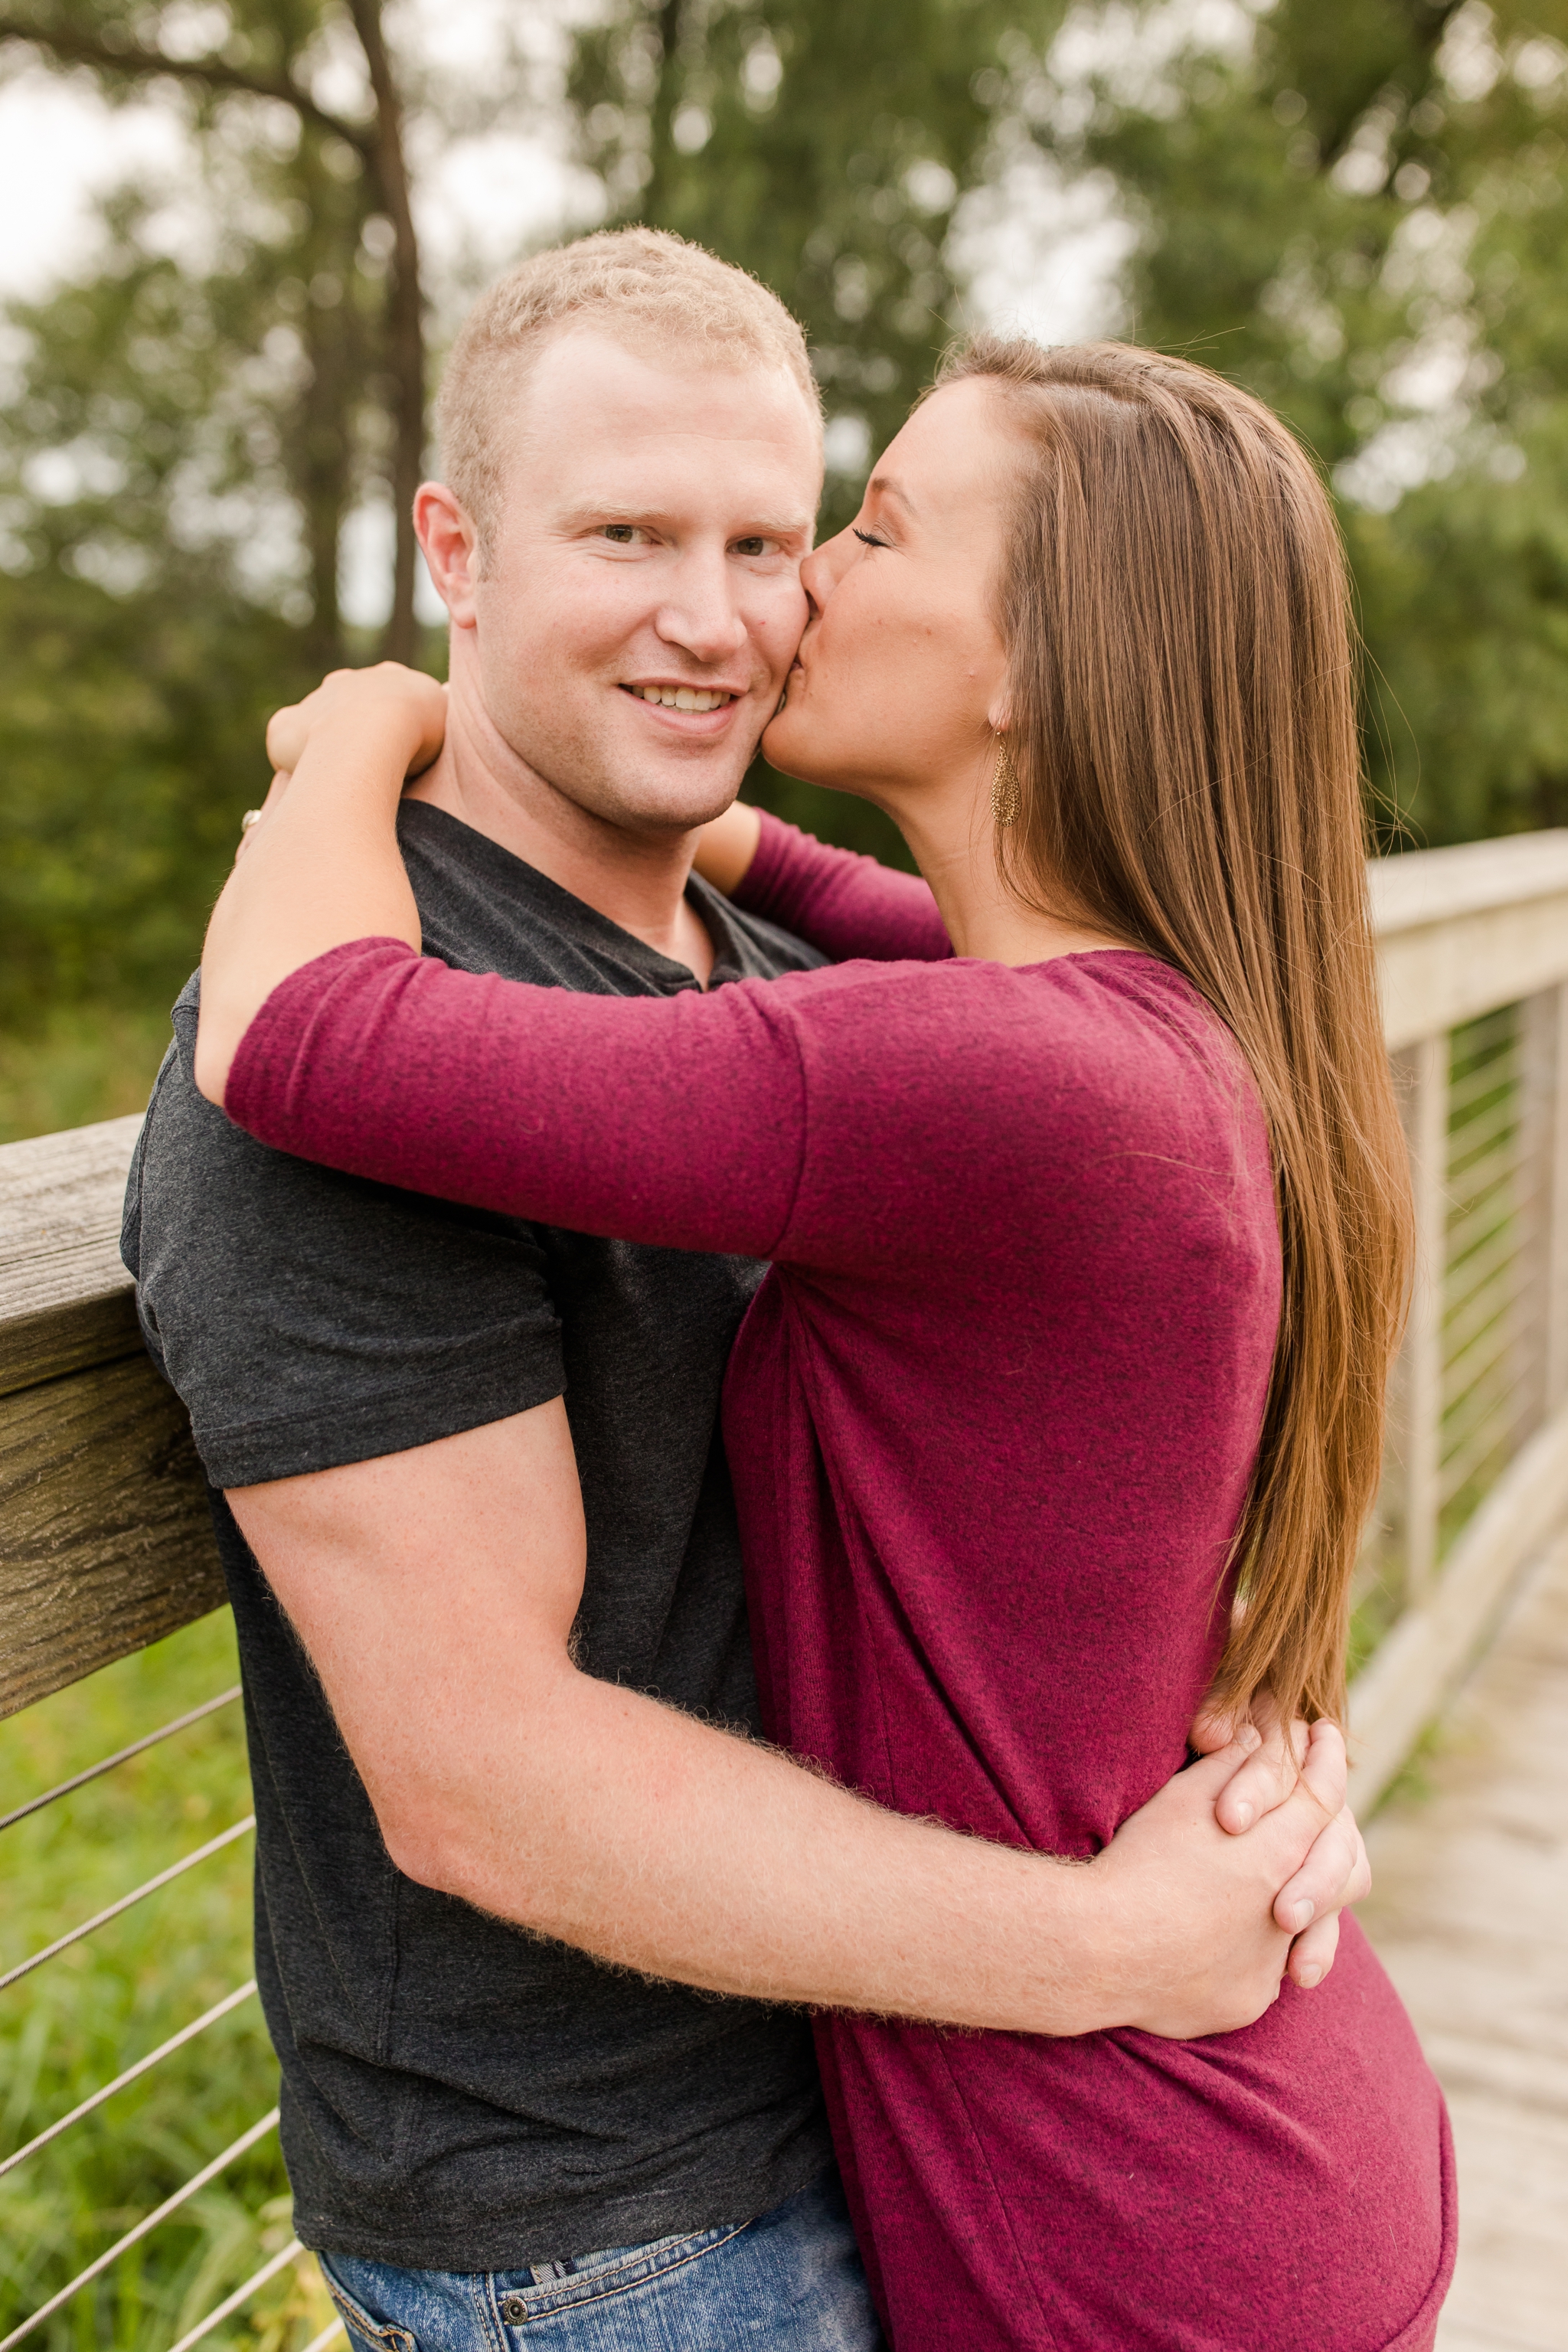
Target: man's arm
435	1591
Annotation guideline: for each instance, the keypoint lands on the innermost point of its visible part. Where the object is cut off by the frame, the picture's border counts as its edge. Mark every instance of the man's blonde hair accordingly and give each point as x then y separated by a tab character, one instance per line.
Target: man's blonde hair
641	285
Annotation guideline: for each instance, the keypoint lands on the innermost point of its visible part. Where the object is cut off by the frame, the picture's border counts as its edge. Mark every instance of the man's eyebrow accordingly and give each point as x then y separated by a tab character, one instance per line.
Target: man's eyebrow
885	487
622	510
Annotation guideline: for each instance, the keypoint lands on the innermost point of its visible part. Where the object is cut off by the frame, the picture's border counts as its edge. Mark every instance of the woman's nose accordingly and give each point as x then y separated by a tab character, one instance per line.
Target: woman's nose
821	572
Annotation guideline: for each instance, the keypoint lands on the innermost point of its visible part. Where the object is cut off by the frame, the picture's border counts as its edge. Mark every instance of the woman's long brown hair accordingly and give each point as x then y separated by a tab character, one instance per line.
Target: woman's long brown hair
1183	725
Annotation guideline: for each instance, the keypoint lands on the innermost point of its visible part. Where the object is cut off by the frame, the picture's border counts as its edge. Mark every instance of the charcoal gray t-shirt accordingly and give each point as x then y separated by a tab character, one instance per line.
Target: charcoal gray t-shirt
458	2095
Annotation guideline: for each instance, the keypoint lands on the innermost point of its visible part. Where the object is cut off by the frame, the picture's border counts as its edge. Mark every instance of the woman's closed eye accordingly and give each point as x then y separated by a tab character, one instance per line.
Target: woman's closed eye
866	538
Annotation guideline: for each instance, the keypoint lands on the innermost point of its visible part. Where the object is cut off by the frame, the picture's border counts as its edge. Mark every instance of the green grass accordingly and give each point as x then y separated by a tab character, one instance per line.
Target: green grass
84	2016
81	1064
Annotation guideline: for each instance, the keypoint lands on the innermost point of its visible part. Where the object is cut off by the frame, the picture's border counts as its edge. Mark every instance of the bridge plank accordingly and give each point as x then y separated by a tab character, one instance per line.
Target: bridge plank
1469	1914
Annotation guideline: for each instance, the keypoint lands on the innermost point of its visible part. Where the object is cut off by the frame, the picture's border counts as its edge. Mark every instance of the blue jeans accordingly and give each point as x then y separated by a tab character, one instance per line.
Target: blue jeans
791	2280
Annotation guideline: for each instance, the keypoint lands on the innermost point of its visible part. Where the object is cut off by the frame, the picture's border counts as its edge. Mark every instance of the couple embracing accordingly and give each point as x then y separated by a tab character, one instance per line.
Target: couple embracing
760	1410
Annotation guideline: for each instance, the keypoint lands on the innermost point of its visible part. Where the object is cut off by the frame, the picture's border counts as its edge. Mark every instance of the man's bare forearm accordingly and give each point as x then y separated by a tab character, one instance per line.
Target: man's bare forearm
618	1826
656	1842
503	1775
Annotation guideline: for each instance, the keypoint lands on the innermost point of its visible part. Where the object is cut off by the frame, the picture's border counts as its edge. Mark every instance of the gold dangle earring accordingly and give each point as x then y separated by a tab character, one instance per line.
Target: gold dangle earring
1006	798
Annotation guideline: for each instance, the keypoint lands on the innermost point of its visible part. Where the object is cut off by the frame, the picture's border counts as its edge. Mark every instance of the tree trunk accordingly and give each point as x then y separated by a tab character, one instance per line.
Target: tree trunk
404	327
661	144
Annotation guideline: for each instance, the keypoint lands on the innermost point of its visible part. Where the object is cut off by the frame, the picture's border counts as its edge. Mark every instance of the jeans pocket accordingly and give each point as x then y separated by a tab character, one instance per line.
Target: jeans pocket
599	2276
374	2334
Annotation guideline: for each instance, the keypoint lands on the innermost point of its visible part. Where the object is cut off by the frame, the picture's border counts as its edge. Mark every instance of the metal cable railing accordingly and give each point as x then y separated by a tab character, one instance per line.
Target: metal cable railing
239	2147
80	1780
242	2294
143	2229
149	1886
164	2049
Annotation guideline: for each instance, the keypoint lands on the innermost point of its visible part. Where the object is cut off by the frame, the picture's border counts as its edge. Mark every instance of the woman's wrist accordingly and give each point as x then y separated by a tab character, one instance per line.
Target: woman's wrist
726	846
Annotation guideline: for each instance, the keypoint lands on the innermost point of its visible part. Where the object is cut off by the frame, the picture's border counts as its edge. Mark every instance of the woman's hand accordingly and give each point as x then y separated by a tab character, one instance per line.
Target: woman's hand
386	690
387	687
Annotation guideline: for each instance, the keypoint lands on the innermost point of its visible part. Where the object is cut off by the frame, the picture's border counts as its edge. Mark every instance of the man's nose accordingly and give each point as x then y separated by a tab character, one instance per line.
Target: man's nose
701	612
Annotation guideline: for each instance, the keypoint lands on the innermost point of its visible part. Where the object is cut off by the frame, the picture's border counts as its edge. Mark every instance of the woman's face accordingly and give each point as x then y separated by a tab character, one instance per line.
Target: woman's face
901	677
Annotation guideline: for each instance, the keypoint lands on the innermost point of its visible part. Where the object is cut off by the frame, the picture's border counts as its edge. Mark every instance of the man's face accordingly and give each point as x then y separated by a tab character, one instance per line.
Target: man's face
648	545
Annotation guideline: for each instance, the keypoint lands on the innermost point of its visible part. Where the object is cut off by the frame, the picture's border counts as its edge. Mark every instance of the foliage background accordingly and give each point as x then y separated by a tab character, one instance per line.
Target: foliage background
1355	206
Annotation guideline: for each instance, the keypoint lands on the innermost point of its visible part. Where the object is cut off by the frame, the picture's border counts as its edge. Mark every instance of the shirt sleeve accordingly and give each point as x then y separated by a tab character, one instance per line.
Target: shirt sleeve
863	1116
847	906
675	1120
306	1318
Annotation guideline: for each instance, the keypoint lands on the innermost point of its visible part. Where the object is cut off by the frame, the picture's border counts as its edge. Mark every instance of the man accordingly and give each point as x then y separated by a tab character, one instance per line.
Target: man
472	1465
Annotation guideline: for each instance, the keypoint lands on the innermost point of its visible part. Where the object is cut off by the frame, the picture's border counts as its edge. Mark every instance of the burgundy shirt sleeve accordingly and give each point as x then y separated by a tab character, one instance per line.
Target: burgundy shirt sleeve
865	1115
844	905
676	1121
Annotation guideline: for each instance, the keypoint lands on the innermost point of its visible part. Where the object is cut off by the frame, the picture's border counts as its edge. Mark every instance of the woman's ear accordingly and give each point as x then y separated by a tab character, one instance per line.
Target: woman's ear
450	543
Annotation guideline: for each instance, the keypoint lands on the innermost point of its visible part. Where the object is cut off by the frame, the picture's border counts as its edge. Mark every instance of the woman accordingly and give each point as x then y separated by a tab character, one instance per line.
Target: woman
1088	1247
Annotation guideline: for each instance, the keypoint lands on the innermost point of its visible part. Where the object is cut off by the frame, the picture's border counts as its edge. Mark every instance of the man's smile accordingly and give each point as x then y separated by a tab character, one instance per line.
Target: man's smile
685	697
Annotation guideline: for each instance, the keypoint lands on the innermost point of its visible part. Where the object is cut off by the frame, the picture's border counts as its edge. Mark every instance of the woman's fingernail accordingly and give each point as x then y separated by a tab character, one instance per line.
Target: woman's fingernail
1309	1977
1242	1815
1303	1915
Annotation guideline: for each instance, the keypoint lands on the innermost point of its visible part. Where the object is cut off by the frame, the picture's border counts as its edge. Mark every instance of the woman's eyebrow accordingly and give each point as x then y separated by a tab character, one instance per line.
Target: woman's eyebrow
885	487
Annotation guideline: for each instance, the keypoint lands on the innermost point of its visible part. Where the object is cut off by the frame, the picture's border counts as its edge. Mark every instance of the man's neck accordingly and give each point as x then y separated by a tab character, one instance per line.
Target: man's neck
634	881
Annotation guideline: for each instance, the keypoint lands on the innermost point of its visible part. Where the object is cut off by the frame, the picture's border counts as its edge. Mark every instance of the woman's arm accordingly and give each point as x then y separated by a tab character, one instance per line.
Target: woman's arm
675	1120
325	866
844	905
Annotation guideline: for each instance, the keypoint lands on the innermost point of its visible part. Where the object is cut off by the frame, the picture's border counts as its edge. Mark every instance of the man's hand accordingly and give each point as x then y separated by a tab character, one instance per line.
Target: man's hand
1181	1886
1336	1871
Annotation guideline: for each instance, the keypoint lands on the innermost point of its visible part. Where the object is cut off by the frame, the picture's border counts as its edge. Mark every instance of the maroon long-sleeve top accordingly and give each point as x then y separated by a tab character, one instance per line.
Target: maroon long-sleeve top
991	1420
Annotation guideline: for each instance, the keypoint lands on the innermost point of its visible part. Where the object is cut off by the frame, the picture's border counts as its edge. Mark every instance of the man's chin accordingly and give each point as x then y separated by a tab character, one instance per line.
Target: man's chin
647	797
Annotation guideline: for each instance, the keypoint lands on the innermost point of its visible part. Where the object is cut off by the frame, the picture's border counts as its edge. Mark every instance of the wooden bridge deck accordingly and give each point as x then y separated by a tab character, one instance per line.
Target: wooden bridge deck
1471	1916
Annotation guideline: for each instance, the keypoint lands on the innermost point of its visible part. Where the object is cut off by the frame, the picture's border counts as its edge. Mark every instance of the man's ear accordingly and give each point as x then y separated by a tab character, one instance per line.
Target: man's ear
450	543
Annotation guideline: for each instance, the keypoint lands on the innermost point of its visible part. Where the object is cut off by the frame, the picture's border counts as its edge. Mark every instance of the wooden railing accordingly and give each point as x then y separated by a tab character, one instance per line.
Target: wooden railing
104	1539
1474	945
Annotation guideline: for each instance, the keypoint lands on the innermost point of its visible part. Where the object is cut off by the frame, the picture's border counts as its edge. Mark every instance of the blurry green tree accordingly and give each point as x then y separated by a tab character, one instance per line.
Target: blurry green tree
1362	216
186	431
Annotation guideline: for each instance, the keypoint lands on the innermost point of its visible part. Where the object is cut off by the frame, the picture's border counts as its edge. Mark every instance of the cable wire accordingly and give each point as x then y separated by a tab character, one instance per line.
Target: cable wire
241	2294
35	1804
75	1935
170	2205
186	2033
